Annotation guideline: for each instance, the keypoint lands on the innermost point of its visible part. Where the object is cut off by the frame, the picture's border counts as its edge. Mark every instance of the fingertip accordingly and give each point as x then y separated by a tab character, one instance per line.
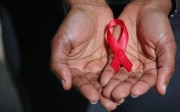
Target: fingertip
65	78
164	76
93	97
89	92
66	84
104	81
109	105
162	89
139	89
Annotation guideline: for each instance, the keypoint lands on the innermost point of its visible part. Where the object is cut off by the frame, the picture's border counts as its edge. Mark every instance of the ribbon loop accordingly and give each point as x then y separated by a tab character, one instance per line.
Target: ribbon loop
119	46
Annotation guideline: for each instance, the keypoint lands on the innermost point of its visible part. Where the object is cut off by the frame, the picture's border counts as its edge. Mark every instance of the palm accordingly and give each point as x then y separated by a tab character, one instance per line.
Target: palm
150	44
78	50
88	53
149	31
143	40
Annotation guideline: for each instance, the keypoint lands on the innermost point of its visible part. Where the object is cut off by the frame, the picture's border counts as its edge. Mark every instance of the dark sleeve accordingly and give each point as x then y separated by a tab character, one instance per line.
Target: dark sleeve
174	8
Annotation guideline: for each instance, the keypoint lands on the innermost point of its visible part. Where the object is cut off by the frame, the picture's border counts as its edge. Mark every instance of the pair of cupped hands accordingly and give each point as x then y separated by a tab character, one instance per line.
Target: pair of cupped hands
81	56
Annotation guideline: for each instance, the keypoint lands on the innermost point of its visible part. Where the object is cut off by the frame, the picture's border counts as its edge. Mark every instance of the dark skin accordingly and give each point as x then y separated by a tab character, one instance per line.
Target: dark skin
151	49
80	55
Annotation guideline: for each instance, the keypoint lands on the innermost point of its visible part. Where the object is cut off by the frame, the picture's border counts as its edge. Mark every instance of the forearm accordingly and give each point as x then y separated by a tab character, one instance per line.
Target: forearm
70	3
164	5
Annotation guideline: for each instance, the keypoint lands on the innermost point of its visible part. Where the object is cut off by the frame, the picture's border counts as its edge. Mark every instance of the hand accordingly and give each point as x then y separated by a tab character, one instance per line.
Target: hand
79	51
151	49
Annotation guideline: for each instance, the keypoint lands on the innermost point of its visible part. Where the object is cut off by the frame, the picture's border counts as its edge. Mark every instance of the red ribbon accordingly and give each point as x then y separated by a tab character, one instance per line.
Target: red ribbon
119	46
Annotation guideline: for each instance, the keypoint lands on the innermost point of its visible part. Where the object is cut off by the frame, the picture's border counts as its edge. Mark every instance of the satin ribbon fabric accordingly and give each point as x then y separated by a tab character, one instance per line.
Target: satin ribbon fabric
119	46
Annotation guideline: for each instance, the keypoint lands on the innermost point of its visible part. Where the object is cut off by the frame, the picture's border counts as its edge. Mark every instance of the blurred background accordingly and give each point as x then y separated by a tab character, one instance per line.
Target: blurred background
29	26
26	82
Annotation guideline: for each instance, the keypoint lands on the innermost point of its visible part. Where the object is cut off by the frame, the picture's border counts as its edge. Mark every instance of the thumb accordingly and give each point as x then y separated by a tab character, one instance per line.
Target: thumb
59	61
166	65
164	76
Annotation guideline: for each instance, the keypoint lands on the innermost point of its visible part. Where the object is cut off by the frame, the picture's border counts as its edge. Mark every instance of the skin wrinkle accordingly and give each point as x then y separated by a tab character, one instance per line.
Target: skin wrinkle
91	4
142	55
84	68
165	46
61	45
97	63
149	74
145	51
77	58
82	42
134	77
135	58
71	58
92	79
134	42
86	47
117	95
95	83
145	82
144	66
87	84
165	66
83	85
57	58
116	79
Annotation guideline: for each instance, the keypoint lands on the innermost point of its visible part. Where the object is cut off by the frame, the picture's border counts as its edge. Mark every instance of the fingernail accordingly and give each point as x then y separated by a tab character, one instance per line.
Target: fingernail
164	87
134	96
56	75
93	103
121	102
63	82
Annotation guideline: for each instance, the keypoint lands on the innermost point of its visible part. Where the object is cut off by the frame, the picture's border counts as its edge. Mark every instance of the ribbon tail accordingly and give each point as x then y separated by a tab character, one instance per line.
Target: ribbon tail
126	63
115	64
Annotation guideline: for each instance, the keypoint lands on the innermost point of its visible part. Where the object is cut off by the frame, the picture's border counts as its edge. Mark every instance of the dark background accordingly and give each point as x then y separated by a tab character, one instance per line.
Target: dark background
35	22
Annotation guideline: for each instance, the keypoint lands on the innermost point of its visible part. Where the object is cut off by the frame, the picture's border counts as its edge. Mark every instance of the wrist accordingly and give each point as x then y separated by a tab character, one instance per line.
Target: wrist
71	3
164	5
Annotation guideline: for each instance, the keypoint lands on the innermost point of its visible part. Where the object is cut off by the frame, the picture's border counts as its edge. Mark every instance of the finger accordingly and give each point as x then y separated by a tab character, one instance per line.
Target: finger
59	61
164	75
120	76
106	75
107	103
64	75
166	64
86	87
147	81
123	90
